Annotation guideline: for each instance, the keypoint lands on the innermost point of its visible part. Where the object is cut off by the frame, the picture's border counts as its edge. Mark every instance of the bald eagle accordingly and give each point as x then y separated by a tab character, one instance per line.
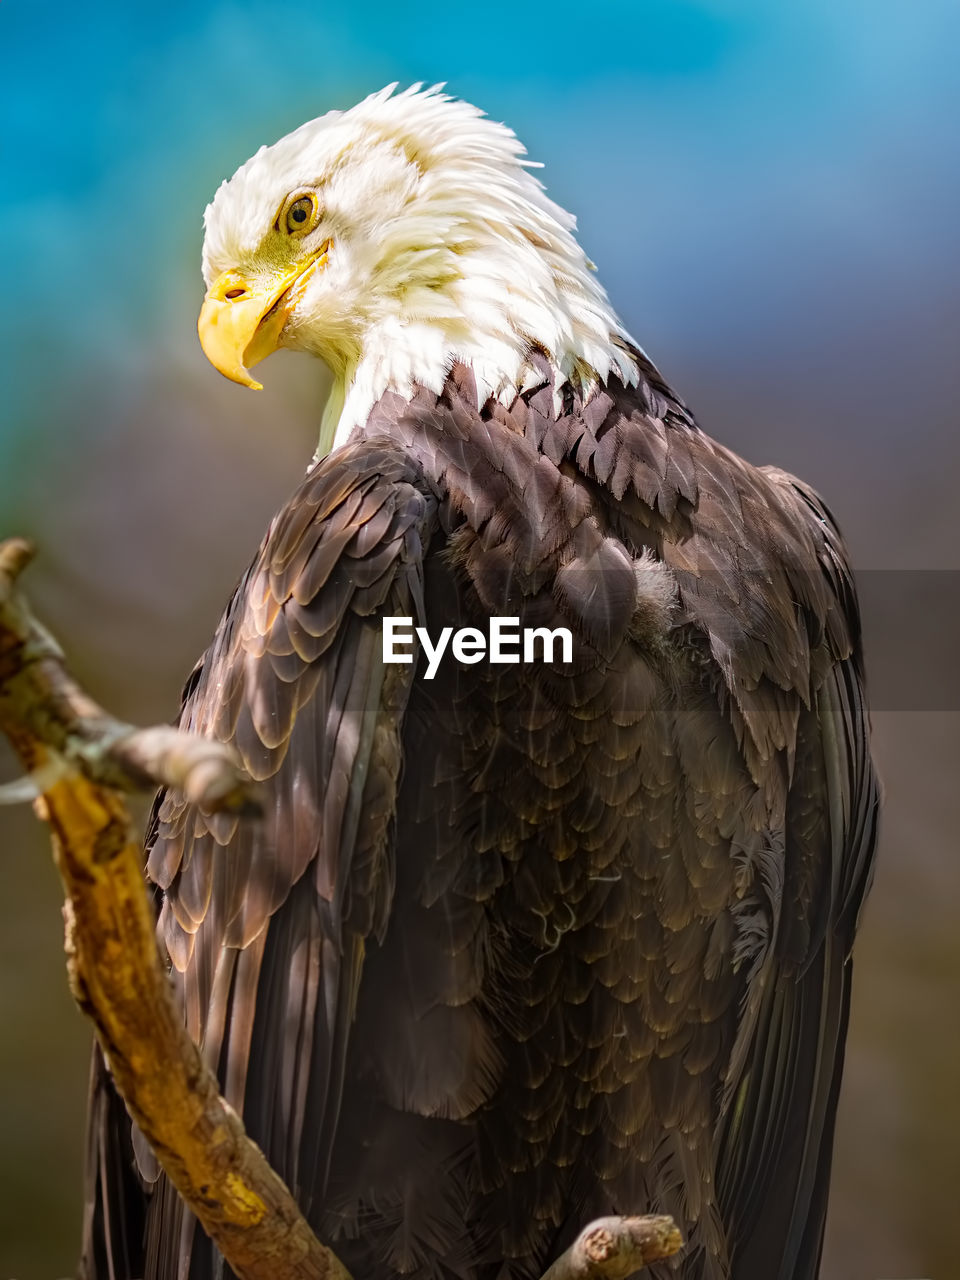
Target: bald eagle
530	941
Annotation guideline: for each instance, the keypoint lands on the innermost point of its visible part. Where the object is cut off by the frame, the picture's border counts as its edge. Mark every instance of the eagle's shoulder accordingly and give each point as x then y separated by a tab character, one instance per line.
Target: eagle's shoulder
555	484
298	642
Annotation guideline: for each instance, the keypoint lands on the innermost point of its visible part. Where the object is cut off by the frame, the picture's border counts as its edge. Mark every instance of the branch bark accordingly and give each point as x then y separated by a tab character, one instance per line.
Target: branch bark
614	1248
116	973
80	757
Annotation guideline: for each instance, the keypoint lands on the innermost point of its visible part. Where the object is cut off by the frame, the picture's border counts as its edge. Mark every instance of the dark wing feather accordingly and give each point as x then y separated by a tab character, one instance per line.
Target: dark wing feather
265	921
114	1212
762	576
777	1132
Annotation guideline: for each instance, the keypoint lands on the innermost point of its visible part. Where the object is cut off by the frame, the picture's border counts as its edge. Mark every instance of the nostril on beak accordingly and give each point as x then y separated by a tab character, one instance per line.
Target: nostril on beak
234	293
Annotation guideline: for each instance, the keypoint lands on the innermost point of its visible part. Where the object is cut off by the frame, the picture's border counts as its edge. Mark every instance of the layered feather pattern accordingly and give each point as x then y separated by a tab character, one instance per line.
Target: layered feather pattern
525	943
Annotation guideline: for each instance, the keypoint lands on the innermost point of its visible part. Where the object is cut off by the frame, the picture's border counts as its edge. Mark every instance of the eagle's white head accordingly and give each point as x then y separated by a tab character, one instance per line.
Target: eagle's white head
392	240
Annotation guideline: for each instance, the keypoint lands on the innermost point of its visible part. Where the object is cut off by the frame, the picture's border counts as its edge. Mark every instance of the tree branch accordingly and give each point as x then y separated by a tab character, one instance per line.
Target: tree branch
116	972
614	1248
46	706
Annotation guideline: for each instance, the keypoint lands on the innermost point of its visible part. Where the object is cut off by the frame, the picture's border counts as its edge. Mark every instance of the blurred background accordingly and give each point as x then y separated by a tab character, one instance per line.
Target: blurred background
771	192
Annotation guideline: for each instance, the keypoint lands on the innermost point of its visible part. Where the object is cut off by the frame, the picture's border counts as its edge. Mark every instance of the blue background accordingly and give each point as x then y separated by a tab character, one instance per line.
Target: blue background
771	192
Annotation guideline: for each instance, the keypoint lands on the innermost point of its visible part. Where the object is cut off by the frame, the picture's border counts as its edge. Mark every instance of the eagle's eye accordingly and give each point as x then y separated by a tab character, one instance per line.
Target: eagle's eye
300	215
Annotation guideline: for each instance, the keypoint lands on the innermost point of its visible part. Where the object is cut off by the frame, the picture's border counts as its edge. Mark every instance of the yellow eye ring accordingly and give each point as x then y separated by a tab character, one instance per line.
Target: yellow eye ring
300	214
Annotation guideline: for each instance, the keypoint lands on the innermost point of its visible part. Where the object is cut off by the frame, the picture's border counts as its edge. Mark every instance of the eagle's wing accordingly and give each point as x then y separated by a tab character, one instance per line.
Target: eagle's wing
265	921
777	1131
763	578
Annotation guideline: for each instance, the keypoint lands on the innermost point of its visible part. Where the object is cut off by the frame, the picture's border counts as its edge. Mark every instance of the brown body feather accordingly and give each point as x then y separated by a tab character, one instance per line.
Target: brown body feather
528	943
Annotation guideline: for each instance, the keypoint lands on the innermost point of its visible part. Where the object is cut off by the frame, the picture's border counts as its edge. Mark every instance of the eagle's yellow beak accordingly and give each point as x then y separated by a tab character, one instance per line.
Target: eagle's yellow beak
241	321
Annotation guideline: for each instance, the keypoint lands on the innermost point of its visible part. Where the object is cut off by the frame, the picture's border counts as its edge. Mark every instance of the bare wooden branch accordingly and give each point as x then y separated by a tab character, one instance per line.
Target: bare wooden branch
115	968
48	705
614	1248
